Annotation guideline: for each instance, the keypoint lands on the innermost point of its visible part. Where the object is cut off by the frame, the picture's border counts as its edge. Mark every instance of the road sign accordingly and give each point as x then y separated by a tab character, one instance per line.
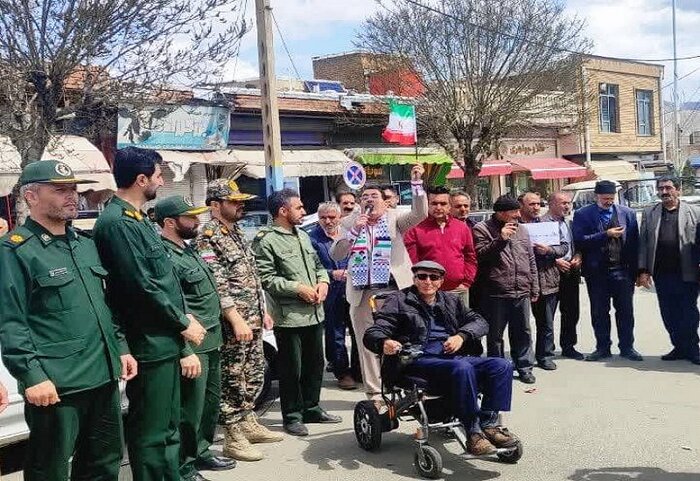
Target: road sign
354	175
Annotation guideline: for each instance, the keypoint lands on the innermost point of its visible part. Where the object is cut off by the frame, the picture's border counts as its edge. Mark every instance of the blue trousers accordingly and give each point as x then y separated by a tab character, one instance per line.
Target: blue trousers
618	286
678	303
460	378
336	325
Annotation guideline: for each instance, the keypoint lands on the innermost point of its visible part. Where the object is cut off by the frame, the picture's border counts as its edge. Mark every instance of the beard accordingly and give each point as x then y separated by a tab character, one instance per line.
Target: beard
186	233
150	193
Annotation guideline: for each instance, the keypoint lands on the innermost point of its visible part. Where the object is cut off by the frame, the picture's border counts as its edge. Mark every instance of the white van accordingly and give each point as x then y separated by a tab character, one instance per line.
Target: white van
635	194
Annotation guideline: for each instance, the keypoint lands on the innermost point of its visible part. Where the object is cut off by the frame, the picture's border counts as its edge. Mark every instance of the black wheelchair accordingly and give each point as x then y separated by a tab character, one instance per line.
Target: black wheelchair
406	398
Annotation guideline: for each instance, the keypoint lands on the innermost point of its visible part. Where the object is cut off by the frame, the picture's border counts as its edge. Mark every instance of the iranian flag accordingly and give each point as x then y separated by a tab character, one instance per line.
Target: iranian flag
402	124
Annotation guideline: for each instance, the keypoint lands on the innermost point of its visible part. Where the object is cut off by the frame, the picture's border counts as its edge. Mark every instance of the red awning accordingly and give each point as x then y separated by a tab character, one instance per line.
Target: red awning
549	168
490	167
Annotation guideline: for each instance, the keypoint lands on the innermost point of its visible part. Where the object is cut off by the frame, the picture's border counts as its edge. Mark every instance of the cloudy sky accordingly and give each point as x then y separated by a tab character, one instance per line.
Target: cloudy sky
639	29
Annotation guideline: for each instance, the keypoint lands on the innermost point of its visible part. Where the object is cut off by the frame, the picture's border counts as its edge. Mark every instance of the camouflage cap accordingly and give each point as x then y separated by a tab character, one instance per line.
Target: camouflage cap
226	189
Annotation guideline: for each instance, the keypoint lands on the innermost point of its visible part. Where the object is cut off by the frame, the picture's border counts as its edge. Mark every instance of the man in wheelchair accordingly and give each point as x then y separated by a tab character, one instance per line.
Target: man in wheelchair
449	336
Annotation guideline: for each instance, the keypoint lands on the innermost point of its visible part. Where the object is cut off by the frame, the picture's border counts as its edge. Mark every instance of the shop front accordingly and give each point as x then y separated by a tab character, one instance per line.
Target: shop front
392	166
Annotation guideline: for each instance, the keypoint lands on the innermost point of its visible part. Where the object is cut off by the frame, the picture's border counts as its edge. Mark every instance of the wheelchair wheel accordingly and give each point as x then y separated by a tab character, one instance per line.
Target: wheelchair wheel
431	465
512	457
368	426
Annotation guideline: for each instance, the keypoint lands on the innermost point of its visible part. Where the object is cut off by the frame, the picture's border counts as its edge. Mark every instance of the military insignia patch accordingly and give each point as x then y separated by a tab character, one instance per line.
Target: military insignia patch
63	170
16	238
208	232
224	230
138	215
45	237
128	213
208	256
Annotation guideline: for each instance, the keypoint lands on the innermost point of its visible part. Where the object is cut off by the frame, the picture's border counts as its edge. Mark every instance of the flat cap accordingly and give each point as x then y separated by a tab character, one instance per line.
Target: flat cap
605	187
50	172
428	266
505	203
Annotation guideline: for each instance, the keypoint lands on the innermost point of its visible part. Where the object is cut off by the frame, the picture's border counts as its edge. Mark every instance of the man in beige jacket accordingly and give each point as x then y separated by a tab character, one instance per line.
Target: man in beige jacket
372	241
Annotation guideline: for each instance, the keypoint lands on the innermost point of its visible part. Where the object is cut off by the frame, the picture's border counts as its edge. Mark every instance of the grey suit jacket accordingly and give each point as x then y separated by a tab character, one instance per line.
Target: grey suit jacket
400	262
688	217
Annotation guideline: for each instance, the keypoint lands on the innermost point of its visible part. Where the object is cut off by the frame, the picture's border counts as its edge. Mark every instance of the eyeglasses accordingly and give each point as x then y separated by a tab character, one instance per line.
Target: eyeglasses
432	277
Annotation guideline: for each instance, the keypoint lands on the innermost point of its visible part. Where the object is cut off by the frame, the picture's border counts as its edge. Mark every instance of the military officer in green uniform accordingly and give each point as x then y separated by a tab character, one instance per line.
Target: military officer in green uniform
145	296
297	284
201	371
58	337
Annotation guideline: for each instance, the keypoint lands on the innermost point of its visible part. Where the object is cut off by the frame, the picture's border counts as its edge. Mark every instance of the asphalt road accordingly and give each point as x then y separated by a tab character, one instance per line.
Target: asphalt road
616	420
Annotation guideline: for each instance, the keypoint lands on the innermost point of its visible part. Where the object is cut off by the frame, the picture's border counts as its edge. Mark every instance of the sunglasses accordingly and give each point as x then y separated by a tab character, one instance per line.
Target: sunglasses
432	277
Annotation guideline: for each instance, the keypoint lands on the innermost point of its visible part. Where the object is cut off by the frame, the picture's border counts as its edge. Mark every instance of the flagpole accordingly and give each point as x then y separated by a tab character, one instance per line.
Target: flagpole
415	132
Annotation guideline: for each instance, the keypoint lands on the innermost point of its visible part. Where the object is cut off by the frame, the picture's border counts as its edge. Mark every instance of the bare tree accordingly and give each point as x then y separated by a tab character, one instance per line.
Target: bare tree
64	61
488	67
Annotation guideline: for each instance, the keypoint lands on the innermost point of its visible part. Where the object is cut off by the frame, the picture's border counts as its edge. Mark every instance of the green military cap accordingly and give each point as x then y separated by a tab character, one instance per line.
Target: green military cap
226	189
176	205
50	172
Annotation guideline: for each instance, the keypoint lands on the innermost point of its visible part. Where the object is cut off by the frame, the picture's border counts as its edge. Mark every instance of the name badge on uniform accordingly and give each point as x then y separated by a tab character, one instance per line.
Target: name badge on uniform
61	271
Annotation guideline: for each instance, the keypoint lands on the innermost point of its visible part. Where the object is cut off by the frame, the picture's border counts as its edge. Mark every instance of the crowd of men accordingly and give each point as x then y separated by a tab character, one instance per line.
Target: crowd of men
178	310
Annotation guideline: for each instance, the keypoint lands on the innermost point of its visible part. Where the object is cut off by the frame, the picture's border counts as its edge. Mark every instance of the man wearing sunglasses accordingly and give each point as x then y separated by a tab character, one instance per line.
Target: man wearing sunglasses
449	334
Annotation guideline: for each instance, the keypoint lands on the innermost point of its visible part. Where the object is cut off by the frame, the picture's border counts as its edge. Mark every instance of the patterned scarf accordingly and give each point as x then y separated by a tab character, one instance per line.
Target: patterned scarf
370	258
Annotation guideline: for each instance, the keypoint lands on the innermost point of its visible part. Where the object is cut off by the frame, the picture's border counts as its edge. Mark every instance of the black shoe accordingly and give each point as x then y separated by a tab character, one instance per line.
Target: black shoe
526	377
674	355
296	429
572	354
695	360
324	418
198	477
598	355
215	463
547	365
632	355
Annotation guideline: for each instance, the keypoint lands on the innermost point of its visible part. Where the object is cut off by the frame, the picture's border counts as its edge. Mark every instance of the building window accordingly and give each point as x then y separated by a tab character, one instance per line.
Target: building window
644	112
608	107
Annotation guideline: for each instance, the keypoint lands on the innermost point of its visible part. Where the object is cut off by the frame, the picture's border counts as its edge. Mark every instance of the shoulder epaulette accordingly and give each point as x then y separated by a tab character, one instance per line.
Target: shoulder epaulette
18	237
261	233
133	214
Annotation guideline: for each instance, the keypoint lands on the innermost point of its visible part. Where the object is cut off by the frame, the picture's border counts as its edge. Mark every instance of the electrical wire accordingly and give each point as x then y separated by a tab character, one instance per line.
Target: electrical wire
284	45
535	42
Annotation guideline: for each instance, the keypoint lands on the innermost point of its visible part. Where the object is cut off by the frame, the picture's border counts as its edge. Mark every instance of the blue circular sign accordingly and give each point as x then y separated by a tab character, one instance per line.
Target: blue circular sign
354	175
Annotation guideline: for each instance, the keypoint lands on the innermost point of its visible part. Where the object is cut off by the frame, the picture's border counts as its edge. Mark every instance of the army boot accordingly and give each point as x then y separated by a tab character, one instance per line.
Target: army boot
256	432
237	446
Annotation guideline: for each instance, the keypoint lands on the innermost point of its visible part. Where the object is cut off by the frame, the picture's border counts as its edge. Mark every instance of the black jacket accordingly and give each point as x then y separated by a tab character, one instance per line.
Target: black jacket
404	318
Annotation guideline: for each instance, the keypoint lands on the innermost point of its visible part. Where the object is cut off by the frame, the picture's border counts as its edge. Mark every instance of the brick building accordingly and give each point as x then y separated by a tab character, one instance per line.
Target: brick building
370	73
622	112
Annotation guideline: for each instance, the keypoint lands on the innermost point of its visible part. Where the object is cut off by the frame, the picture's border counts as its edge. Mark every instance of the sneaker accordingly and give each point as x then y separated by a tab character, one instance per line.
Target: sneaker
500	437
527	377
631	354
674	355
237	446
256	432
547	365
478	445
572	354
598	355
347	383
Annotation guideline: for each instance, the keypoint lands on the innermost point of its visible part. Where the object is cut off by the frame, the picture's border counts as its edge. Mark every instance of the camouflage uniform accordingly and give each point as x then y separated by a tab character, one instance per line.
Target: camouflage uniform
238	285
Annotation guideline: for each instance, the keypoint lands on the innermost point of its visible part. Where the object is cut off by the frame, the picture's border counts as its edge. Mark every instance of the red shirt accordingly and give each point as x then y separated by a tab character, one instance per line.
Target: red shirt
452	247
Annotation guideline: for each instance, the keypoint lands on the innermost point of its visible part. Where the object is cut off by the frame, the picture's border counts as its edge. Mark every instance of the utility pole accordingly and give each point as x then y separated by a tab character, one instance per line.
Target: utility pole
676	113
272	136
